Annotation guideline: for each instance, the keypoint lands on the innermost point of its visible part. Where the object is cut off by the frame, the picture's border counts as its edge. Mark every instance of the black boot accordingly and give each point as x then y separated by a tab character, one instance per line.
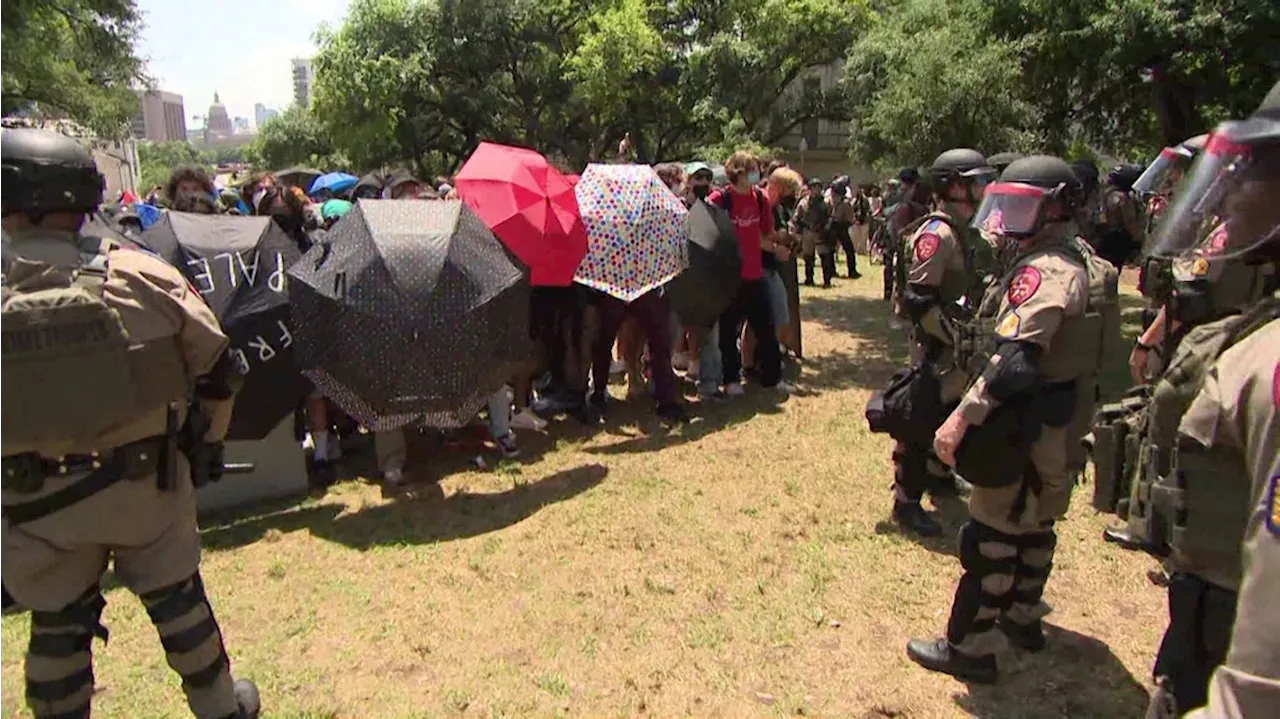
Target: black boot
912	517
1027	637
939	656
808	270
247	697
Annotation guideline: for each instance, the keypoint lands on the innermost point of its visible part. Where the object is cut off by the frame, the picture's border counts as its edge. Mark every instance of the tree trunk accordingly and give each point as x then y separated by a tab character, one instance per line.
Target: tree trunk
1174	102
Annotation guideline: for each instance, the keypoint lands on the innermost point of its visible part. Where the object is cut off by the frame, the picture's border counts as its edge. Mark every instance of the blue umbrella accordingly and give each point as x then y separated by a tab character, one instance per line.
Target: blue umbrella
148	214
333	182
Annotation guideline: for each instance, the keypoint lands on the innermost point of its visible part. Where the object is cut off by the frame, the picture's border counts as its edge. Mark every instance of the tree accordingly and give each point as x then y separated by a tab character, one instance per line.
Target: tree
294	137
927	78
73	59
157	160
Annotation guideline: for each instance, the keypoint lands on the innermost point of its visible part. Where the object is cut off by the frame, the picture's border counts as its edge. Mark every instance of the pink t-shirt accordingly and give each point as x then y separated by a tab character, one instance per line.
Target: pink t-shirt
750	223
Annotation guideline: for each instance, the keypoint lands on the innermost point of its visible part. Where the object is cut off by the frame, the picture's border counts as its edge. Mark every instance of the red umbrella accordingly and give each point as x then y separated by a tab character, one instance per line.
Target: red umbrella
530	206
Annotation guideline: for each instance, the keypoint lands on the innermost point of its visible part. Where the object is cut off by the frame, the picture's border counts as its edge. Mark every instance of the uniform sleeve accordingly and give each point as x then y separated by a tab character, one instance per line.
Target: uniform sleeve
1238	406
932	250
1038	296
159	287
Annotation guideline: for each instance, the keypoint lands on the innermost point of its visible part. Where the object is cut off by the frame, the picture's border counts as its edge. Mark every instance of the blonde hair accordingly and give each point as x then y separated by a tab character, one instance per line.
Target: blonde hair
737	164
788	181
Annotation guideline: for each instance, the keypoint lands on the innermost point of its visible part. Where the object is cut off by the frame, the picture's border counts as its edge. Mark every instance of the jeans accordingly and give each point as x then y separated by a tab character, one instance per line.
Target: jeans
751	305
500	413
777	298
710	366
652	313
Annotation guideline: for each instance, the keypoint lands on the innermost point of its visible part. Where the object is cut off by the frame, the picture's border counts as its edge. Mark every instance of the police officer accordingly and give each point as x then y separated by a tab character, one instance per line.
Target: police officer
91	469
1006	548
1221	527
940	261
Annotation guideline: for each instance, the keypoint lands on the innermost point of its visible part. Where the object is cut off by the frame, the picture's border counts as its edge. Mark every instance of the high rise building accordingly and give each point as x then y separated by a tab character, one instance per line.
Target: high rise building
262	113
160	117
302	79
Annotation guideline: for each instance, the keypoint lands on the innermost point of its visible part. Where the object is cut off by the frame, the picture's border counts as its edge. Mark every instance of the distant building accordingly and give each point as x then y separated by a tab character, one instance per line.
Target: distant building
262	113
817	147
302	79
160	117
217	123
241	125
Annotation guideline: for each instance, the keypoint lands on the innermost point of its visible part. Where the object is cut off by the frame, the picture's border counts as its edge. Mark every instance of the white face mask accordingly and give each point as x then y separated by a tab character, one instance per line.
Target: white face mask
753	177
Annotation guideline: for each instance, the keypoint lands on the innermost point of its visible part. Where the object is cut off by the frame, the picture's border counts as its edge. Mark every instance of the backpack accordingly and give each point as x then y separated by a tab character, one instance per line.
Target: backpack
71	371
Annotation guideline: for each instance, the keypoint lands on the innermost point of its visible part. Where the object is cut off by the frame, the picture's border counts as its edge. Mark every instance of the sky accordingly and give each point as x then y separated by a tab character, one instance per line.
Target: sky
241	50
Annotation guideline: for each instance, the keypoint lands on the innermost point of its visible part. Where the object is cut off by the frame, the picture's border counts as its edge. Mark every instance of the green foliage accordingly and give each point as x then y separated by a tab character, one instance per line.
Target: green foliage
424	82
158	159
73	59
294	137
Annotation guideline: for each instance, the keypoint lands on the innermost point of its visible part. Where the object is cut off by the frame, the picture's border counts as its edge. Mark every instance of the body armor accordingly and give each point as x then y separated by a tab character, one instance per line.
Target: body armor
1188	504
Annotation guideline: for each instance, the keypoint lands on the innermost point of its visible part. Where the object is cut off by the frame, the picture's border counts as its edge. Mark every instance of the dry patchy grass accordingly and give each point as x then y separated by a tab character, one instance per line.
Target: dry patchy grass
742	565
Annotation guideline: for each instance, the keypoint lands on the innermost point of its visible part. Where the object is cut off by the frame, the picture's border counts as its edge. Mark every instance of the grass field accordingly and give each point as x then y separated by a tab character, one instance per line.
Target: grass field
740	566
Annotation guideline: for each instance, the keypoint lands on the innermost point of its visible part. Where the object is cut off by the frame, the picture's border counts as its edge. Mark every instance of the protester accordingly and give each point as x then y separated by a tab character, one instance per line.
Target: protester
191	179
197	201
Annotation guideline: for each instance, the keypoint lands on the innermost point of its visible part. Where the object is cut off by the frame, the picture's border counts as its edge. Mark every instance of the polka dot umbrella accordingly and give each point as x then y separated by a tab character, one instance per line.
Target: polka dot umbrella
410	312
635	230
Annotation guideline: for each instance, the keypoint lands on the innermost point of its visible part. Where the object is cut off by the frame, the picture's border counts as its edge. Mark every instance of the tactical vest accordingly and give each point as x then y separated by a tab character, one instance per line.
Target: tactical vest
71	371
1188	503
978	262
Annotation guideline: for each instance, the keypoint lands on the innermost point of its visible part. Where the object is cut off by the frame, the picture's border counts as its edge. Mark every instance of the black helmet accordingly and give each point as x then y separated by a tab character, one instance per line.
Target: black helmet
43	171
1086	171
958	164
909	174
1123	176
1001	160
1015	205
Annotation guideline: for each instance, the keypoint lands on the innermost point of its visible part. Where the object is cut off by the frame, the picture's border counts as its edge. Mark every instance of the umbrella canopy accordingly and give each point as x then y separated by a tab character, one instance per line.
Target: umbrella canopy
370	186
410	312
635	230
705	290
334	182
298	176
530	206
238	264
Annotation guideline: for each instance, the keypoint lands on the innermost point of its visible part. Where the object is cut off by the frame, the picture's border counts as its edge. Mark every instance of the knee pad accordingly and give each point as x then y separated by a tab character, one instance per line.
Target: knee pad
973	535
62	636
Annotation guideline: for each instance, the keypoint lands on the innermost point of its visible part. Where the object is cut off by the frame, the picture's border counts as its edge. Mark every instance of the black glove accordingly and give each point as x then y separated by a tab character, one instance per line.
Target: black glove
206	463
215	460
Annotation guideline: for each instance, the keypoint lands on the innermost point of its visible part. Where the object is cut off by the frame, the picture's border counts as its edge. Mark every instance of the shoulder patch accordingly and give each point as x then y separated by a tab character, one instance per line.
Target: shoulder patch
932	225
1273	506
1010	326
1023	285
926	246
1200	267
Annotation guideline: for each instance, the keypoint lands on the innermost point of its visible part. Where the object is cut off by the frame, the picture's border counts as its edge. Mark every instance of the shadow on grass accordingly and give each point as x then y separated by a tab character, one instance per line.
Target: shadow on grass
427	518
1076	676
951	512
639	431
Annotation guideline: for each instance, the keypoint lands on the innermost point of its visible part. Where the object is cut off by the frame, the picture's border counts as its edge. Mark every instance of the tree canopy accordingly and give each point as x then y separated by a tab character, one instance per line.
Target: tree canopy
72	59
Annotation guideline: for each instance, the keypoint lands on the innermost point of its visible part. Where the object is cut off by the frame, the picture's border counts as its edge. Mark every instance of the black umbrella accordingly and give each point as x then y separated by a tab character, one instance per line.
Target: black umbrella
238	265
704	290
298	177
370	186
410	312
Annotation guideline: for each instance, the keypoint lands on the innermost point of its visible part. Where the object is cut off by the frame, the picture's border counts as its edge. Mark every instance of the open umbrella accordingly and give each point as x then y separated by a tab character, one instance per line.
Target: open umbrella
706	288
635	228
530	206
370	186
334	182
238	265
410	312
298	176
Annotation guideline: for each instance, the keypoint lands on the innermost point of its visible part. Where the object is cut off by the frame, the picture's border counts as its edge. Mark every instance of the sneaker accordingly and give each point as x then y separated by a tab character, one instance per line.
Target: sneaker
507	444
734	389
785	386
393	477
716	397
680	361
526	419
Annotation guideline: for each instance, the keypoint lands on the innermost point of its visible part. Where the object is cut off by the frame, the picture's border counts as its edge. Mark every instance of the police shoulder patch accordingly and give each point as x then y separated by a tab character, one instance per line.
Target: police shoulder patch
1023	285
1009	326
1273	506
1200	267
926	246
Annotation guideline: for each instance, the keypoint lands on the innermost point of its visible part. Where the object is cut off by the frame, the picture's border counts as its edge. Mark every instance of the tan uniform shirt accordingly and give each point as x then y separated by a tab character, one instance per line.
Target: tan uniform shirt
154	301
1239	409
1233	283
1044	288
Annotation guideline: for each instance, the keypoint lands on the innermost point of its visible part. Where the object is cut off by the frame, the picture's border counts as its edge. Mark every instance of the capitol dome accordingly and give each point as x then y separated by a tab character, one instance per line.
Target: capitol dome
218	122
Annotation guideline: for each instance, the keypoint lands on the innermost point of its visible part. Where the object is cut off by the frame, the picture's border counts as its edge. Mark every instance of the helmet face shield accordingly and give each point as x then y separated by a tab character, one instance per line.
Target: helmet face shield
1164	173
1011	209
1229	202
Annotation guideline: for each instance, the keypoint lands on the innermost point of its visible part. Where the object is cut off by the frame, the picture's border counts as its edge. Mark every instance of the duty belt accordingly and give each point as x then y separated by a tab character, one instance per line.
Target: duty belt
27	472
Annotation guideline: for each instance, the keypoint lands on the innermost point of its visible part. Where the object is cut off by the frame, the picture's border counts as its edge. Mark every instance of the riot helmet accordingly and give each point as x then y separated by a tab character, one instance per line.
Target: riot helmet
1166	171
1031	193
1086	171
1226	206
909	175
1123	176
964	167
1001	160
43	171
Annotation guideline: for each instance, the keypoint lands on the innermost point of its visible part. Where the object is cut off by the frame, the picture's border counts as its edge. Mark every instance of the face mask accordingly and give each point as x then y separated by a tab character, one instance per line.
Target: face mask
753	177
701	191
